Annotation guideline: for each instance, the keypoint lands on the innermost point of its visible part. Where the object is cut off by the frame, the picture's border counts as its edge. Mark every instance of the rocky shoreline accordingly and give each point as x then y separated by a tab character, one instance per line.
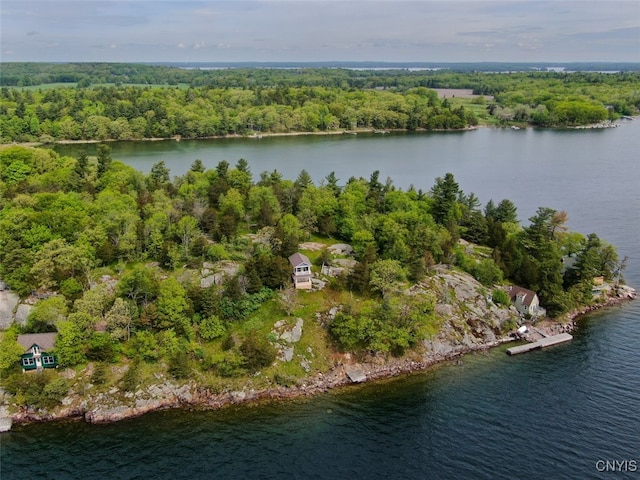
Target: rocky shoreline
112	406
102	408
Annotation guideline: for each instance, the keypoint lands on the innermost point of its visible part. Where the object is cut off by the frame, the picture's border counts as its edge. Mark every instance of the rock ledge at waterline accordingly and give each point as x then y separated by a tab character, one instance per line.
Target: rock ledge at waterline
464	330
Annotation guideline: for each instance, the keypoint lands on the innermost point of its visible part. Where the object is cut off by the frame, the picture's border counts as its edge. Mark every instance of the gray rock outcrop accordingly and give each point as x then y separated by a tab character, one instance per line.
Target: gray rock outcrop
8	303
286	337
469	318
108	407
22	313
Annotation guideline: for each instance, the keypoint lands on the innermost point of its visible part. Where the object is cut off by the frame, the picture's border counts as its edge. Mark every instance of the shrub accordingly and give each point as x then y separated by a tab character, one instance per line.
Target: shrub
509	326
228	343
257	351
500	297
239	309
211	328
144	346
55	391
99	375
324	258
230	366
101	348
131	378
487	272
349	330
179	365
216	252
45	314
463	261
10	349
71	288
40	390
168	343
284	380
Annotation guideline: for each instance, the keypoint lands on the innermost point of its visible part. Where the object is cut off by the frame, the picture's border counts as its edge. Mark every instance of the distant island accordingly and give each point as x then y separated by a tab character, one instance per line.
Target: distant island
130	292
47	103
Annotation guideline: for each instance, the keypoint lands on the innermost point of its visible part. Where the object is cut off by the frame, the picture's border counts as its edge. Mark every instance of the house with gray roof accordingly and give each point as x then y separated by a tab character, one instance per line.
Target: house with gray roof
526	301
301	275
38	349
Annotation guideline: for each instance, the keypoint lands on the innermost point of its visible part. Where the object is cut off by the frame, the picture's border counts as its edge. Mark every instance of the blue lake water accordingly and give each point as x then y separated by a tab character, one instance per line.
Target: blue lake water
558	413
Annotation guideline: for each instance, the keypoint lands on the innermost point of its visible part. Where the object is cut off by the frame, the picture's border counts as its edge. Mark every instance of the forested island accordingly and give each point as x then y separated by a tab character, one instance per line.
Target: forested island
164	292
47	103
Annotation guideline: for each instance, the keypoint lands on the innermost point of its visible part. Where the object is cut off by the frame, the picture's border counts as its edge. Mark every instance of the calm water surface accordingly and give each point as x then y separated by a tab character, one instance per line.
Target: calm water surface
548	414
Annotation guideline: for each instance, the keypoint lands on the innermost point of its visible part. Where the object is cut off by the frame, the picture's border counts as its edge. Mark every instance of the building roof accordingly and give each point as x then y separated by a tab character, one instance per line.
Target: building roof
46	341
568	262
298	258
526	294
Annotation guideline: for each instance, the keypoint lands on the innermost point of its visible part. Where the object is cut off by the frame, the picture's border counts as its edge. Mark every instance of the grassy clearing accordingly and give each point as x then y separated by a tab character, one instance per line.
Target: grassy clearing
478	108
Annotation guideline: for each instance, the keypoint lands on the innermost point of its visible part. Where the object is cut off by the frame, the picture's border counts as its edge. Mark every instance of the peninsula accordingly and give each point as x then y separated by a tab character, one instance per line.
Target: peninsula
213	288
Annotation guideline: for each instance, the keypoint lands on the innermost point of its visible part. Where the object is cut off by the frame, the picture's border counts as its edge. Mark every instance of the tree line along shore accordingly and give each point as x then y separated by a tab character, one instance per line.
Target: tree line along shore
270	101
142	277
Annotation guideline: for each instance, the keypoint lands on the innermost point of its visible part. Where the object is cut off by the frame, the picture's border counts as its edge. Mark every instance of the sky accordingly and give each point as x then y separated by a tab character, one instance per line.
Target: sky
309	30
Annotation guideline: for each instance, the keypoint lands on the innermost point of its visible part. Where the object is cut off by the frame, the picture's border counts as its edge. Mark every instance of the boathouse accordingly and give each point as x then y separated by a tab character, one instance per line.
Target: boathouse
38	351
301	275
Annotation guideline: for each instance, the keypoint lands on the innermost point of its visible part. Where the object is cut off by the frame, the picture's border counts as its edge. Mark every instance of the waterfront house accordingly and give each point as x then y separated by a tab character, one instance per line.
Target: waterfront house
38	351
301	275
526	301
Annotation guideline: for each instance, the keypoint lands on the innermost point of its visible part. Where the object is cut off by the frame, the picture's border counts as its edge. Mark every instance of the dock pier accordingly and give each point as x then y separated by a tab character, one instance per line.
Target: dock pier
542	343
355	373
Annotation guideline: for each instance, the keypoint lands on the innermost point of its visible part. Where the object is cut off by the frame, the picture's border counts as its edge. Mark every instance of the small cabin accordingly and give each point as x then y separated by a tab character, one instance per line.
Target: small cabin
526	301
38	349
301	275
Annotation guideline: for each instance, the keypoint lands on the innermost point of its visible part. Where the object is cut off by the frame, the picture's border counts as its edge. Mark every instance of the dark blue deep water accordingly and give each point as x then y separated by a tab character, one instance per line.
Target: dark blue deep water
558	413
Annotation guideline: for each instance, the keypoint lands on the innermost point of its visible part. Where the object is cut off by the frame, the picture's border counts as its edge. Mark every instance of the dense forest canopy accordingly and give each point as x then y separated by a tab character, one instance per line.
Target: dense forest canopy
118	261
133	101
336	74
63	219
129	113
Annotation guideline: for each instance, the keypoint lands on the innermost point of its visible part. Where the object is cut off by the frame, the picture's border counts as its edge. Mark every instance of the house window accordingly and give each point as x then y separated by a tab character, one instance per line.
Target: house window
28	361
48	360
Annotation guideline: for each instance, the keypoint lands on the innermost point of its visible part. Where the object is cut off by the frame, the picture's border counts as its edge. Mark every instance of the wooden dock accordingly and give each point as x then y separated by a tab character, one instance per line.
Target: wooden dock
355	373
542	343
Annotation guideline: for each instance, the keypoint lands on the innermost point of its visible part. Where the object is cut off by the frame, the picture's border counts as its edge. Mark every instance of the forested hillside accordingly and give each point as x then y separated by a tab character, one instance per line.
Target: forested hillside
65	223
132	113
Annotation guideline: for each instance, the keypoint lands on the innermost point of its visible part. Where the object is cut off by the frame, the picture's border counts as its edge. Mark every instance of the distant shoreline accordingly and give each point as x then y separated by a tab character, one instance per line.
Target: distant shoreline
256	136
